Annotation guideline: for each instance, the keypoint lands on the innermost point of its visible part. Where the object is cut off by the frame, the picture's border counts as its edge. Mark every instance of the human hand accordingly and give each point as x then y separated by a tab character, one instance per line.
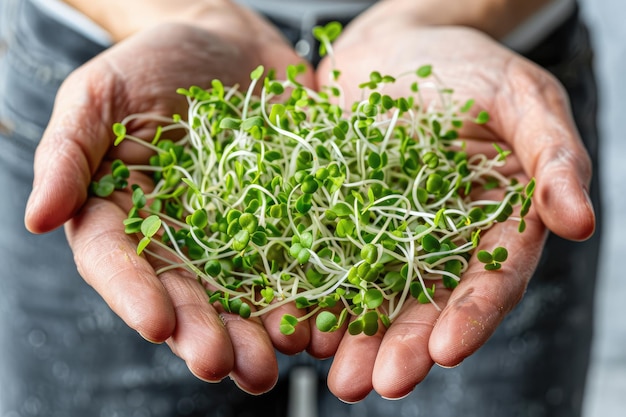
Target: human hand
141	74
530	116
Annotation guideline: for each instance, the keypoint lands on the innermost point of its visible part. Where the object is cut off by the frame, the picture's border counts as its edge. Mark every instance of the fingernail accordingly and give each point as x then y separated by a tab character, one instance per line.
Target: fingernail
447	366
397	398
589	202
29	213
150	340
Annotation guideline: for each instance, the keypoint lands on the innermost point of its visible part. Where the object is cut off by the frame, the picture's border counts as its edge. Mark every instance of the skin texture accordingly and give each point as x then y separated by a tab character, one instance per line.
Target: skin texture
530	115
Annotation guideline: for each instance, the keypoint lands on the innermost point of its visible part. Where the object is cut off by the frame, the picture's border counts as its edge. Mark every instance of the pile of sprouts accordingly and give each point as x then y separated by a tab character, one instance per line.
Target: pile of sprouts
287	196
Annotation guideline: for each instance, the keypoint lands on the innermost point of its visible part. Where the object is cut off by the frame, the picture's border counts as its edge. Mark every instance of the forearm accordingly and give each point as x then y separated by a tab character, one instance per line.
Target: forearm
242	28
122	18
497	18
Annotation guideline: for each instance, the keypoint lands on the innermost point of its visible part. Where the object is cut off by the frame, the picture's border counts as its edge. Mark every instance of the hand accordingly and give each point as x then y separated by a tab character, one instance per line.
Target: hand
530	115
141	74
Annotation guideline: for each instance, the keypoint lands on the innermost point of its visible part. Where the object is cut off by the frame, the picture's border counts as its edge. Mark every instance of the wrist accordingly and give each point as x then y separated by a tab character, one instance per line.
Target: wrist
496	18
122	18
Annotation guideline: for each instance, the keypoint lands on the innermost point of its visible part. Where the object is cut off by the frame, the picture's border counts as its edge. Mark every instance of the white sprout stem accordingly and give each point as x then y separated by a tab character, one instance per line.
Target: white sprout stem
226	171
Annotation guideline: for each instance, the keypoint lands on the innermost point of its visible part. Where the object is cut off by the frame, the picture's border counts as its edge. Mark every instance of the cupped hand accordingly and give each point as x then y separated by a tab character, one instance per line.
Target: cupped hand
529	115
141	74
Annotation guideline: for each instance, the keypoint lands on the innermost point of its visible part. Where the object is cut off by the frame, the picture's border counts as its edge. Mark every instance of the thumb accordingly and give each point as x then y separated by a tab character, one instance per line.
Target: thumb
534	115
71	148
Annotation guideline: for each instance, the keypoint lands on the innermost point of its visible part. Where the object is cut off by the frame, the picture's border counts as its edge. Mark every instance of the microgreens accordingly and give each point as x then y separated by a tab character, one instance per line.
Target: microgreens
286	197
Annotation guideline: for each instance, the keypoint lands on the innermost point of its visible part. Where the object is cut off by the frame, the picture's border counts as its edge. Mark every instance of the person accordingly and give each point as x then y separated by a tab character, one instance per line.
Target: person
67	354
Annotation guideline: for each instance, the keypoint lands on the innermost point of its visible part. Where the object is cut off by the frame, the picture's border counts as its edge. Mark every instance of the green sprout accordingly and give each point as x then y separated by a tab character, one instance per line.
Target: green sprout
326	35
493	260
286	197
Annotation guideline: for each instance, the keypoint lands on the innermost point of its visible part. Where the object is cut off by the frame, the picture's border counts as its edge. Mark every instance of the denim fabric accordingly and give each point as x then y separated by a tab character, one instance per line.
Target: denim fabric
64	353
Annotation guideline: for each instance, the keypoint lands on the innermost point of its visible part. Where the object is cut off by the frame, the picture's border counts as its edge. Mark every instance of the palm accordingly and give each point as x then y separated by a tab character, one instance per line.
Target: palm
142	75
530	116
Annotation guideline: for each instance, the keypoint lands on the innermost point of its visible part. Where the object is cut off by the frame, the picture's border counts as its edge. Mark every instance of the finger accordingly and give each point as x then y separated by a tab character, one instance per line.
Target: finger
64	164
199	337
350	375
403	359
482	298
107	259
533	114
256	368
215	343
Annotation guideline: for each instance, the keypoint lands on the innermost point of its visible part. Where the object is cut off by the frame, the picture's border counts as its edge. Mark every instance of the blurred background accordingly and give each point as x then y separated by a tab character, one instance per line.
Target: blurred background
606	393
